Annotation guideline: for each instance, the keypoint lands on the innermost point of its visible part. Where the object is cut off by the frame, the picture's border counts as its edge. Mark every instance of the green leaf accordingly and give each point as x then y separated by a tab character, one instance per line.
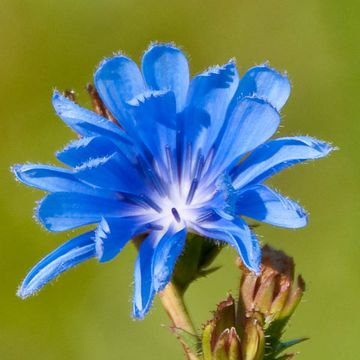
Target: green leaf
285	345
276	347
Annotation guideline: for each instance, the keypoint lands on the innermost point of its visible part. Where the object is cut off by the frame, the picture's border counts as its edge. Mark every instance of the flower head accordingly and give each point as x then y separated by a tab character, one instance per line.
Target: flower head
170	162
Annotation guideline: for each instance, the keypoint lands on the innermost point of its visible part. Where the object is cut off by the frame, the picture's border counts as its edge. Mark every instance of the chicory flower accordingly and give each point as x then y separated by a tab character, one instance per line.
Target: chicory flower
181	155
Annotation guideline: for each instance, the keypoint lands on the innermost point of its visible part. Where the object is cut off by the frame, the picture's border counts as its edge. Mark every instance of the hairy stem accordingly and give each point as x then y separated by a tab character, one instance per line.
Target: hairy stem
173	302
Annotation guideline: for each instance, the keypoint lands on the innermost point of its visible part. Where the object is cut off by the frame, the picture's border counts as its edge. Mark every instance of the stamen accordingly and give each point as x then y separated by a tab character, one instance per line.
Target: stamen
176	215
199	165
143	201
179	149
154	227
206	216
134	199
209	159
192	190
152	176
151	203
170	163
187	164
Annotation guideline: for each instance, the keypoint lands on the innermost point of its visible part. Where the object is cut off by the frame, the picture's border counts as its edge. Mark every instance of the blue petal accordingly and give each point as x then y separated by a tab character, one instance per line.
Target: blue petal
165	68
252	122
261	203
117	81
208	99
63	258
143	287
65	211
153	128
80	151
113	172
112	234
266	83
237	234
50	178
165	256
85	122
277	155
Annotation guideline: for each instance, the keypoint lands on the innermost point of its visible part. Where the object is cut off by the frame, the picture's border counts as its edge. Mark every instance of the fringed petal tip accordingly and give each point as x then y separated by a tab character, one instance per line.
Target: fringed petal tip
267	83
38	216
16	170
57	99
162	45
114	60
266	64
23	292
138	314
146	96
229	67
324	148
115	54
21	172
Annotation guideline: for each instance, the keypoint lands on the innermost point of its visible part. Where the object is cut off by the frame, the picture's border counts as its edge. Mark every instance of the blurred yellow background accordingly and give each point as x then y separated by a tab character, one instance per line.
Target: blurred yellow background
86	313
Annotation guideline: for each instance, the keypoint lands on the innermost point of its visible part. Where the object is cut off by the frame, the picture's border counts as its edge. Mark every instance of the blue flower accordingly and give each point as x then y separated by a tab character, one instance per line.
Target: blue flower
189	156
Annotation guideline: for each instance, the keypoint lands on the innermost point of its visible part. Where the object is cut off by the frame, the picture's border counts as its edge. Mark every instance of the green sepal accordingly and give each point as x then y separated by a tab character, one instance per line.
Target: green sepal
206	340
194	263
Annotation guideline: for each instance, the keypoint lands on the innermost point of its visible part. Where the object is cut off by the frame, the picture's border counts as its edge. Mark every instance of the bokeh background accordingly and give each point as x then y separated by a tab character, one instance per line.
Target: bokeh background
86	313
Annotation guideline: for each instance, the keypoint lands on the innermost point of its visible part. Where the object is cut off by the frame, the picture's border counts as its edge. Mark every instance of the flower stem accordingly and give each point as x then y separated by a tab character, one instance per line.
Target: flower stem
173	302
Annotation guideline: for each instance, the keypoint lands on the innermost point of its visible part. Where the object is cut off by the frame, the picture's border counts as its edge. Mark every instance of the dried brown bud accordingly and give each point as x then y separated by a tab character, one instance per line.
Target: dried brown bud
98	105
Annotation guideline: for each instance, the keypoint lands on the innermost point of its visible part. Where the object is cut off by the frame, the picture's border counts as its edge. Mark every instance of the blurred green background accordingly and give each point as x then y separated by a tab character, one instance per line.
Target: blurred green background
86	313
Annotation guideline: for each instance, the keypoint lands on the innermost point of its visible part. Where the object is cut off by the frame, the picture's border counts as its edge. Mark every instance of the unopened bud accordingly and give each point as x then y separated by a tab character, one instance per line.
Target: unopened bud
273	293
253	345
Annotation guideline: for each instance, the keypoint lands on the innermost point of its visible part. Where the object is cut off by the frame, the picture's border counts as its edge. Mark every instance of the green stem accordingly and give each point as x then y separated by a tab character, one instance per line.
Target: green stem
173	302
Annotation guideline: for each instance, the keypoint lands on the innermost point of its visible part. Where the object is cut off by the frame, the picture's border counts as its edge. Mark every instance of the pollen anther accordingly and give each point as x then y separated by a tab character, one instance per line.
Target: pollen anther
176	215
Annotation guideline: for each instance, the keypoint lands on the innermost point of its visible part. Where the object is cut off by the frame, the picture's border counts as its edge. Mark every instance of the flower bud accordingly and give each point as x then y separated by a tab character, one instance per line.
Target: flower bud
273	293
253	345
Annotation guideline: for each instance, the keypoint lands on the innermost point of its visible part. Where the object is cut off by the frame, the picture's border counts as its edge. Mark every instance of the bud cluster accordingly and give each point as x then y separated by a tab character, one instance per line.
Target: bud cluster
252	328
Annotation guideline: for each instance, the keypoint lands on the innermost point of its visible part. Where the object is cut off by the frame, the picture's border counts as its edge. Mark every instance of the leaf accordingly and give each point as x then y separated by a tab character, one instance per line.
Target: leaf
285	345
